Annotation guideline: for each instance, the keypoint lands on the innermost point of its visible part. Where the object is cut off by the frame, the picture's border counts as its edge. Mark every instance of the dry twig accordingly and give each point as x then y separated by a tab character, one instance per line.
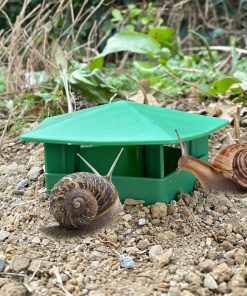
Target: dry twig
6	127
86	19
237	125
35	271
59	281
13	274
219	48
69	95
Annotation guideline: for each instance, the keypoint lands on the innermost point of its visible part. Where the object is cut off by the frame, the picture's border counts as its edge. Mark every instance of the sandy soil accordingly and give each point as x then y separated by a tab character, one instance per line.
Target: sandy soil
194	246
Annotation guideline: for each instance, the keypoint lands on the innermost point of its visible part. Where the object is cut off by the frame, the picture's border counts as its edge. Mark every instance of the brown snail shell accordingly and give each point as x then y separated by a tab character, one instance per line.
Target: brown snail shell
231	161
80	198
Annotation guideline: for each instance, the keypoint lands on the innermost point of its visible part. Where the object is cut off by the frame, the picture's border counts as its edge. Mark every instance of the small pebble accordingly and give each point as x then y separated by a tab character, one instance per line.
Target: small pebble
84	291
19	263
208	241
45	242
63	255
4	234
141	221
240	256
18	200
126	261
127	217
92	286
229	229
21	242
2	264
4	205
34	265
174	291
210	282
21	184
96	293
159	210
207	265
34	173
13	289
165	258
36	240
143	244
64	277
154	252
94	264
222	272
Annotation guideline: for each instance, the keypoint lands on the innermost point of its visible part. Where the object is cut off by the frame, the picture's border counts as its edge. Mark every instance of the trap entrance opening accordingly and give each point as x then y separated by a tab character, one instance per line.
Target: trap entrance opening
143	172
147	161
136	161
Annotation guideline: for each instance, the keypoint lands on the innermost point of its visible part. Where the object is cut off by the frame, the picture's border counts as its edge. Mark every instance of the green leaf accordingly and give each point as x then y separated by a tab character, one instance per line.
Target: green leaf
121	82
131	41
164	56
96	64
117	15
240	99
165	36
91	85
143	65
2	79
129	28
188	61
135	12
203	40
144	20
222	85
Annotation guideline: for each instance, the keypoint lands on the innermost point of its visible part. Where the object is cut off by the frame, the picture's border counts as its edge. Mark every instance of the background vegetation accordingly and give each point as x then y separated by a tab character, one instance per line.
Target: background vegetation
60	56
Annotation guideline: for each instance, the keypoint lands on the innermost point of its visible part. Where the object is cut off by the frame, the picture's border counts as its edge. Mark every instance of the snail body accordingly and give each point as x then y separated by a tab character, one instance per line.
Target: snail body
81	198
227	171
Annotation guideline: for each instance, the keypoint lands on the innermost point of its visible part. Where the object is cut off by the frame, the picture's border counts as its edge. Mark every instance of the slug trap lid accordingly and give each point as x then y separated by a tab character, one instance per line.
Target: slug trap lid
123	123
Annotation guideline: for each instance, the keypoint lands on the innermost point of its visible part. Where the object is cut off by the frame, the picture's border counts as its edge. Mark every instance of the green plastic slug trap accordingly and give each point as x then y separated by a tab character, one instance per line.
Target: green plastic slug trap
147	167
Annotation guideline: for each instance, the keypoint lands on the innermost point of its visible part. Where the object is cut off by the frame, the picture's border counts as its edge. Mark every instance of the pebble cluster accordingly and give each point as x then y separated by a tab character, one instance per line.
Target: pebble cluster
195	245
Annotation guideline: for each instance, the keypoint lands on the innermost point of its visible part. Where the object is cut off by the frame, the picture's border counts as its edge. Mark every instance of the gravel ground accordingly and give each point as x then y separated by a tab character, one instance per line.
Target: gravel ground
196	245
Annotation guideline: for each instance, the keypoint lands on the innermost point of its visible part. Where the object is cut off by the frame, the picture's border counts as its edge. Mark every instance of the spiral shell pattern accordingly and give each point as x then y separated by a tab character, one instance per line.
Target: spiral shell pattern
240	167
231	161
79	197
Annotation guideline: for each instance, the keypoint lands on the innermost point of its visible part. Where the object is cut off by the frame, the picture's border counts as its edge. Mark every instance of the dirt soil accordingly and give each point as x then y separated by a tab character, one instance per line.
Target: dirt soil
196	245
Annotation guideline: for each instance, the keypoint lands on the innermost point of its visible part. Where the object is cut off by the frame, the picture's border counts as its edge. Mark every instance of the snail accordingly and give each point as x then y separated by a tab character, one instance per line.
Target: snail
227	171
82	199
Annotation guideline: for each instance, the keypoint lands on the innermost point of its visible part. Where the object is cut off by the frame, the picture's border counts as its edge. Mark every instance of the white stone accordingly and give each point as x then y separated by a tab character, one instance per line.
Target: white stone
210	282
34	173
4	234
154	252
36	240
141	221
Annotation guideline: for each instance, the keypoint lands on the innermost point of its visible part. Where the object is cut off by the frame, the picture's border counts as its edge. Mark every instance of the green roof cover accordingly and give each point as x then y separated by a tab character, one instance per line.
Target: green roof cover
123	123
